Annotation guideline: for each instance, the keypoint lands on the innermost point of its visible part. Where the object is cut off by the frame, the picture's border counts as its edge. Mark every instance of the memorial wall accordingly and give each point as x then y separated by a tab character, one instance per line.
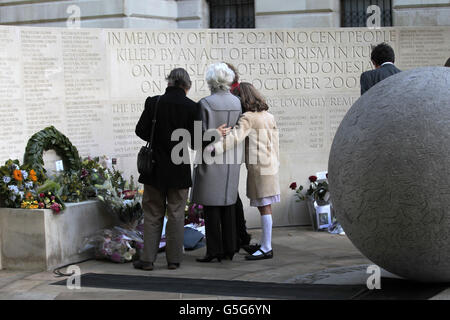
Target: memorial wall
91	85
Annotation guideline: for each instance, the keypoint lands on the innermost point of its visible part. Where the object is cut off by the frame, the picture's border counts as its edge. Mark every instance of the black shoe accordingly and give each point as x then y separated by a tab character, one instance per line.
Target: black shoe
173	266
208	258
263	255
139	264
251	248
228	257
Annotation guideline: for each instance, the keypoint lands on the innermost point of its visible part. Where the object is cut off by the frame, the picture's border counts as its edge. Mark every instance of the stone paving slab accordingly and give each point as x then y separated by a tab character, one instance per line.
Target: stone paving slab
300	256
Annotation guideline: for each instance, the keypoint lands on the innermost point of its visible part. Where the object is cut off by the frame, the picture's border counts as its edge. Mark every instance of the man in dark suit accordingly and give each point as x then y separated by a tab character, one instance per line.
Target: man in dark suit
166	188
383	59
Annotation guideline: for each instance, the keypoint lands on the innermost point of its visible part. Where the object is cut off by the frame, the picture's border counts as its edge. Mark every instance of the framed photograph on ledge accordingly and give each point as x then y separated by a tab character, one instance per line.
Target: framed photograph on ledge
323	215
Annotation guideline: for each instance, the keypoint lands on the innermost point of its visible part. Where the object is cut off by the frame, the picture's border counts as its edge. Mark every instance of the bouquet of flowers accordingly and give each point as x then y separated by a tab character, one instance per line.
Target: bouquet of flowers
81	185
194	214
121	198
318	190
17	183
117	244
92	173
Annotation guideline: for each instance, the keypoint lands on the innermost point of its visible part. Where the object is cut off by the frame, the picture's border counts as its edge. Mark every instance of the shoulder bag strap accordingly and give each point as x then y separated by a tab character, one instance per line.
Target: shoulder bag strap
149	143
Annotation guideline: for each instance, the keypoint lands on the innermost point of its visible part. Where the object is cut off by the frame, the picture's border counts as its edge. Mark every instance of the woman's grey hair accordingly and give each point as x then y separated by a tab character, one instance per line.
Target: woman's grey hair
179	78
219	77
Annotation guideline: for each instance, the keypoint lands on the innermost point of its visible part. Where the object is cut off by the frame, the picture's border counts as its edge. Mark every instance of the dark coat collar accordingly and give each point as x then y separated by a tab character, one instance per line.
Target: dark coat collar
176	91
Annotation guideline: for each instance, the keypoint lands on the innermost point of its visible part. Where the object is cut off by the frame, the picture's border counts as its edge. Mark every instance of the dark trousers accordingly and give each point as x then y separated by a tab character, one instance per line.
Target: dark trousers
243	237
220	224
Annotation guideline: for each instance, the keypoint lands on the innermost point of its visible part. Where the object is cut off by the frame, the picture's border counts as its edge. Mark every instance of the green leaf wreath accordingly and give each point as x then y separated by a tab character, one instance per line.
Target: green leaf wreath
51	139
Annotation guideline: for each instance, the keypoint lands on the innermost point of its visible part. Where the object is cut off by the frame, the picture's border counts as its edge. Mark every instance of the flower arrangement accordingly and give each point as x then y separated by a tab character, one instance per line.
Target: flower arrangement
194	214
117	244
17	184
20	187
317	190
80	185
122	198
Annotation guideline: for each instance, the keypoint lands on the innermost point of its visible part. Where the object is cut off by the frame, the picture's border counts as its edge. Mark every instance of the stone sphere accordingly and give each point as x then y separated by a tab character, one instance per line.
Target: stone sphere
389	174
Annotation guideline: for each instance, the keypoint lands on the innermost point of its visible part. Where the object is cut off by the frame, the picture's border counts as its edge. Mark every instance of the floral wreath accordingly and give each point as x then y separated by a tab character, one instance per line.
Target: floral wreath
51	139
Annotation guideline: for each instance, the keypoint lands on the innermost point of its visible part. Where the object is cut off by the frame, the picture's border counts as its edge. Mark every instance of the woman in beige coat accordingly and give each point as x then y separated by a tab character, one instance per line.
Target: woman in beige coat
258	128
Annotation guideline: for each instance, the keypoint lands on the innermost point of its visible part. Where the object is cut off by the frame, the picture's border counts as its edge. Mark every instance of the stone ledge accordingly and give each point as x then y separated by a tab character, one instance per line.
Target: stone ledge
40	240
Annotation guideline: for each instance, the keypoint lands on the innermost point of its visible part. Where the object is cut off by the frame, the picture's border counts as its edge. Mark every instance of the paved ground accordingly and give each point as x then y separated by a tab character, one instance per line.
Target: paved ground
300	256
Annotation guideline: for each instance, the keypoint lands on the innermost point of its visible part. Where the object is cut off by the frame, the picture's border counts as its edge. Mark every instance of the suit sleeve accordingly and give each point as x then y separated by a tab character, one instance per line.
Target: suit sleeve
236	136
143	126
364	83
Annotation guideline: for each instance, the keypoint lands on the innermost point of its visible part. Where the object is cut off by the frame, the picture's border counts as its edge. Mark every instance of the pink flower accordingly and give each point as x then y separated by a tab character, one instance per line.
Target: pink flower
84	173
53	197
129	194
41	205
56	207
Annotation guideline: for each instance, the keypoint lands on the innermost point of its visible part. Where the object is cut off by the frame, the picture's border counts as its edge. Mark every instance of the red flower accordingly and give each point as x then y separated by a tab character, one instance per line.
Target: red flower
41	195
313	178
129	194
293	185
327	175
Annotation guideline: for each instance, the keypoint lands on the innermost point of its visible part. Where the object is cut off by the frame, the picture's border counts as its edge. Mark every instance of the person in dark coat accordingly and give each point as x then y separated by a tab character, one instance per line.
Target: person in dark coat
383	59
168	185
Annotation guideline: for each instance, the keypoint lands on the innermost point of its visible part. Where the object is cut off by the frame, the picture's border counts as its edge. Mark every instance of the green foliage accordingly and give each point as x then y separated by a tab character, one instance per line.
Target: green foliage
49	186
51	139
121	198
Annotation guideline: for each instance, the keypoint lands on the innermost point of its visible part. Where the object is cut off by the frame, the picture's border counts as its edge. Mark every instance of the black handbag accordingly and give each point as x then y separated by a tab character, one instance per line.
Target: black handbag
146	157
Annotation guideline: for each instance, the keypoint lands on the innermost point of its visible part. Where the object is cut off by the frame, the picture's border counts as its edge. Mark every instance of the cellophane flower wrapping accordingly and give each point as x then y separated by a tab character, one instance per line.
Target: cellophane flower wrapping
118	244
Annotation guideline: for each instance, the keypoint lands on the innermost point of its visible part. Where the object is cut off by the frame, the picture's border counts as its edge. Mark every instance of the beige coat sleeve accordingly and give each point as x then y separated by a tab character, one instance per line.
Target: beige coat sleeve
237	135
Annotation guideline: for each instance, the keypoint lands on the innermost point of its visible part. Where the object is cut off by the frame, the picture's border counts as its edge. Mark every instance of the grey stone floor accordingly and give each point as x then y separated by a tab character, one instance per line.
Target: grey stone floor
300	256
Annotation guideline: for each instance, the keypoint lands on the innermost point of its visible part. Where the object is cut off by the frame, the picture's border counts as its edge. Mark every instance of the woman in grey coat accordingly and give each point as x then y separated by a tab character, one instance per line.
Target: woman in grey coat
216	184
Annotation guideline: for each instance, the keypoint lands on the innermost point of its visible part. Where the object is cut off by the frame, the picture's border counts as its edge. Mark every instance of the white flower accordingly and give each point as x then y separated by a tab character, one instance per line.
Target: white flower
24	174
16	166
6	179
21	194
12	198
127	202
128	256
29	184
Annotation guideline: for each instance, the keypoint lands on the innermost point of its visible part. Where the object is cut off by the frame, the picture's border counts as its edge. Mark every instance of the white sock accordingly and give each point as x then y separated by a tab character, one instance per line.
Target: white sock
266	236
